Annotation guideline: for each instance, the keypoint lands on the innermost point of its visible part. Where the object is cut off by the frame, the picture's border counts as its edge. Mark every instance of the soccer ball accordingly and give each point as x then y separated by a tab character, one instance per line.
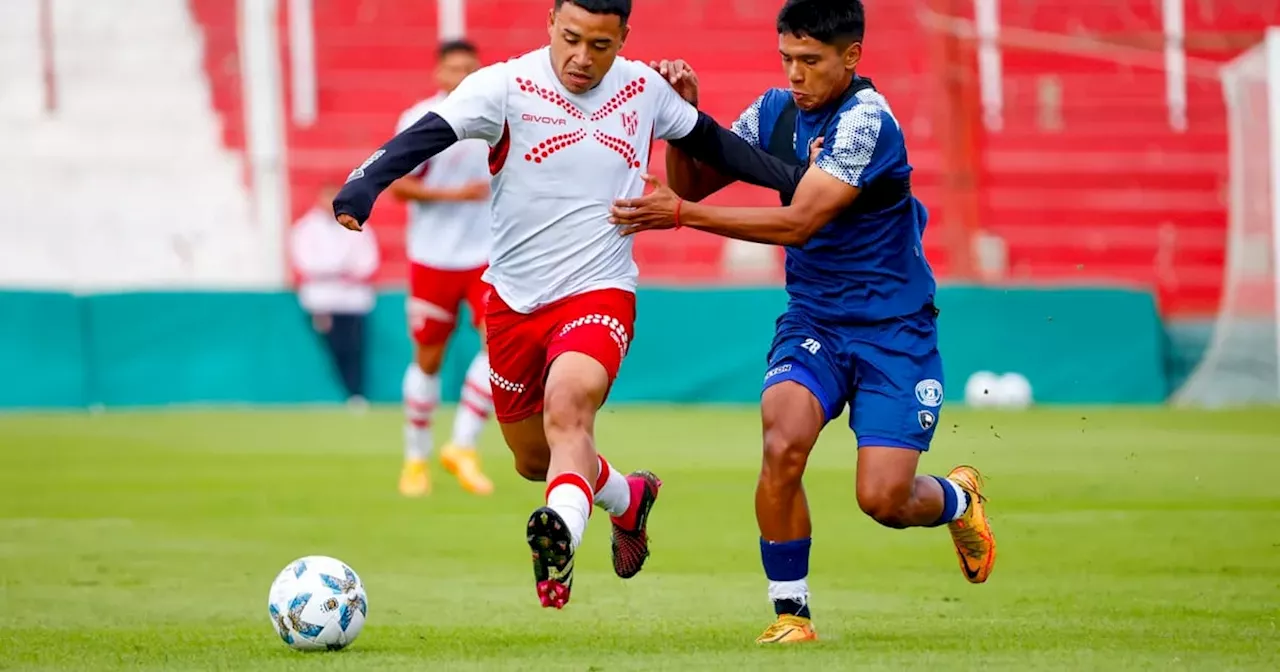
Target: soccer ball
981	390
317	603
1013	391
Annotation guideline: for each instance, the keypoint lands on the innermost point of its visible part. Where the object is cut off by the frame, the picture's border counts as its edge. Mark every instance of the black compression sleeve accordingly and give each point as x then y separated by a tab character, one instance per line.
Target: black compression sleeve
401	154
720	148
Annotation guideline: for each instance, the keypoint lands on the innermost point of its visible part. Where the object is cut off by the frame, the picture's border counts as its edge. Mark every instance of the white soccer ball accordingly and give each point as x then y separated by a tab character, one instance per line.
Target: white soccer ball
317	603
980	391
1013	391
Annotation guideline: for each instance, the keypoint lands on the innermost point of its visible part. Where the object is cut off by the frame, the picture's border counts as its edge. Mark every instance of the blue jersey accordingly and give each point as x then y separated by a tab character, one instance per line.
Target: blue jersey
866	265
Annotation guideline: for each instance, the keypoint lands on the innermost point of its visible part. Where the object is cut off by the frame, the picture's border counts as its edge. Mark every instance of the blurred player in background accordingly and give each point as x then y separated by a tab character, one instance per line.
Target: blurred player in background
570	126
449	239
860	326
335	286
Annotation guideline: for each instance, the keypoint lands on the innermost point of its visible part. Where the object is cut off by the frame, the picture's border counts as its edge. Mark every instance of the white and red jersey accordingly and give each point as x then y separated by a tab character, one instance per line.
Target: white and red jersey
448	235
559	161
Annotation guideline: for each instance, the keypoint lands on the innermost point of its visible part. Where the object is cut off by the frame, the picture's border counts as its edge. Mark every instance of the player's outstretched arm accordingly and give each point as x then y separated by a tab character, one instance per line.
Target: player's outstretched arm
736	159
429	136
866	144
476	109
818	199
692	179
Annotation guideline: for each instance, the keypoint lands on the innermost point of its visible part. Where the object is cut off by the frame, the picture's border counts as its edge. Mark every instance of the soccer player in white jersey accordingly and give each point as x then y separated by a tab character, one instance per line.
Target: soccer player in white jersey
448	245
570	128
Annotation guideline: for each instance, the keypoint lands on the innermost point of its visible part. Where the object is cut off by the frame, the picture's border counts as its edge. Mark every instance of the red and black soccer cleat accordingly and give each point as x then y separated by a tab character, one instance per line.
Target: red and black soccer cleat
630	539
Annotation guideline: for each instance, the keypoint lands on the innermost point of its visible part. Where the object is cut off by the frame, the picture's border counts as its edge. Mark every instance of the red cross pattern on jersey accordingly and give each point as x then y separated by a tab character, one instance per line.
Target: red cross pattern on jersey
555	143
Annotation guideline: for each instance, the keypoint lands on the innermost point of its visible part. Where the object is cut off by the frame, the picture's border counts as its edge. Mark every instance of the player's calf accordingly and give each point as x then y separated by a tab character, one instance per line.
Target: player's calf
459	457
575	389
891	493
528	444
421	396
792	418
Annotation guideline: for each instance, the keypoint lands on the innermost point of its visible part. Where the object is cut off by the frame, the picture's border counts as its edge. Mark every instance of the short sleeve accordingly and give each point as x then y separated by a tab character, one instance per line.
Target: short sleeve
747	126
675	116
864	145
477	108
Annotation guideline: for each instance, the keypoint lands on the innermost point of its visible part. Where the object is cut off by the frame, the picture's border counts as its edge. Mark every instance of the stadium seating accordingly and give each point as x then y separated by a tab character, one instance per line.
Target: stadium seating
1086	182
123	183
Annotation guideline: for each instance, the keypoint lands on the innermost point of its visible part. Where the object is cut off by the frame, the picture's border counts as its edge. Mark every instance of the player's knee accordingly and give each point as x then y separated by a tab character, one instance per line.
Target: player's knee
573	394
567	408
785	455
430	358
886	503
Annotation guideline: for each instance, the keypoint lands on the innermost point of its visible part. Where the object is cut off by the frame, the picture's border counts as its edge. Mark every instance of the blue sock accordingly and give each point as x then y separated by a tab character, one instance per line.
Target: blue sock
786	565
952	504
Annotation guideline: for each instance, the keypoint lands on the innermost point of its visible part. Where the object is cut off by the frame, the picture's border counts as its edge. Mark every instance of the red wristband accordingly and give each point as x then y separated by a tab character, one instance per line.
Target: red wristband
679	202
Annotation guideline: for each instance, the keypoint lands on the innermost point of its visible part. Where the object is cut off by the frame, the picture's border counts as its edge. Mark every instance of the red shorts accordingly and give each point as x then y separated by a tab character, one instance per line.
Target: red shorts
598	324
435	297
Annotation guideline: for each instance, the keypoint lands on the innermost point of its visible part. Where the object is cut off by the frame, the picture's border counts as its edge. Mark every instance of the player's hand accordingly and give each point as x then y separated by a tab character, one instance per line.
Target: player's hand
655	210
815	148
474	191
681	77
349	222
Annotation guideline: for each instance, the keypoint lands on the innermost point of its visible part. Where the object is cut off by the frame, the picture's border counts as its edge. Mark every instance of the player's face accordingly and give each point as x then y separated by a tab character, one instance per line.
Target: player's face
454	68
583	45
818	72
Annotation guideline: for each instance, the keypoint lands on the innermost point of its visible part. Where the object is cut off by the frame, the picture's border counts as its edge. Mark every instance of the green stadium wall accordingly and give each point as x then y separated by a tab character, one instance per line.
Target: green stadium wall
1095	346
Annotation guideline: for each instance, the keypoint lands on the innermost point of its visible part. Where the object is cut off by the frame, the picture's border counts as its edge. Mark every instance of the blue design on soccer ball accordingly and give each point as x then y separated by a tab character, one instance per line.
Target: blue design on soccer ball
349	611
308	630
299	569
282	628
340	585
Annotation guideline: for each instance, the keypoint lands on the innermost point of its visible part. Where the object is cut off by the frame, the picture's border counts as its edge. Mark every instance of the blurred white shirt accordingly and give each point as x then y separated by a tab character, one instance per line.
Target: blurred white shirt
335	266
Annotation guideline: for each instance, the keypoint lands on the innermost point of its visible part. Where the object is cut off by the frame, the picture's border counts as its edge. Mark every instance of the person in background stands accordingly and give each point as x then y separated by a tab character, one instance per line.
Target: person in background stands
335	270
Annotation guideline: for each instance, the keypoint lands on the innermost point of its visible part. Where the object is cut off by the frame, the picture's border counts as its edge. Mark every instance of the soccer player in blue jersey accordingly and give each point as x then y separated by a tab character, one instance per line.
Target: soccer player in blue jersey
860	326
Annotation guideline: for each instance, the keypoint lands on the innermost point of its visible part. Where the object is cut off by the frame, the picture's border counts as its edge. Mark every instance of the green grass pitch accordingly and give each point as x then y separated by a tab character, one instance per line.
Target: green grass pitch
1129	539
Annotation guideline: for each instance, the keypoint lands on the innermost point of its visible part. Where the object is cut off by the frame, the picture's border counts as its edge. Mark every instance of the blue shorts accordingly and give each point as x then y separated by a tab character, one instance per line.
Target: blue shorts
889	373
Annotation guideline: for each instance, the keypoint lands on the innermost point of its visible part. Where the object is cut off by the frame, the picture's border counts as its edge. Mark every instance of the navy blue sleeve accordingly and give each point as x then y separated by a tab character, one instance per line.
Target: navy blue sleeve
720	148
429	136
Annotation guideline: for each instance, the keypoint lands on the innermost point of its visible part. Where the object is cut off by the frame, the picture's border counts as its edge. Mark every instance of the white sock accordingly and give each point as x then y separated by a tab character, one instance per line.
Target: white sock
569	495
613	492
421	396
962	499
476	404
789	590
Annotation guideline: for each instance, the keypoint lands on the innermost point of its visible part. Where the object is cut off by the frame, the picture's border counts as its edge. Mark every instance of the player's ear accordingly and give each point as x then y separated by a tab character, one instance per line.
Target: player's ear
852	56
551	22
622	41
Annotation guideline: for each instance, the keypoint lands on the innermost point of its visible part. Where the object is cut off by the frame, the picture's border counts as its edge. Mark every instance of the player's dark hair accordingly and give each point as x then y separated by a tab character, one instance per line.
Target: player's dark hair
619	8
839	22
460	46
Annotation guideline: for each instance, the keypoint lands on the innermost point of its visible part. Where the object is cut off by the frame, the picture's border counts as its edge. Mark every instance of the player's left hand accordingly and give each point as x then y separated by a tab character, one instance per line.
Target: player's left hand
348	222
681	77
655	210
